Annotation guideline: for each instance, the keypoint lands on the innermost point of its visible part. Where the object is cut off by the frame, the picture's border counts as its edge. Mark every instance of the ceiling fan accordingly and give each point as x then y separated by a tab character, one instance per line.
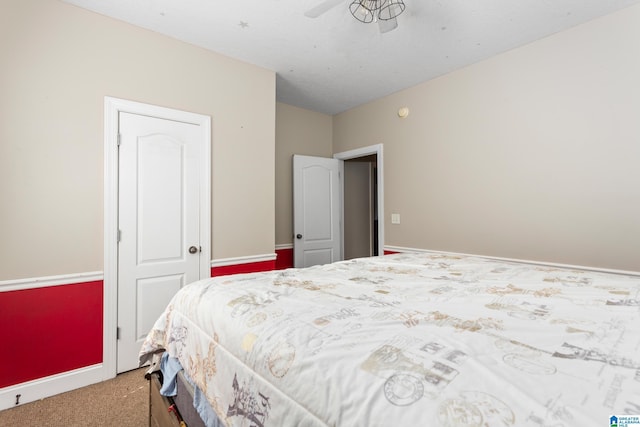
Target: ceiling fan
384	12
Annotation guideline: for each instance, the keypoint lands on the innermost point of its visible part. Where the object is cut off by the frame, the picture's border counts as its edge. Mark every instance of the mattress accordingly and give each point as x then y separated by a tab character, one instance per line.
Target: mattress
410	339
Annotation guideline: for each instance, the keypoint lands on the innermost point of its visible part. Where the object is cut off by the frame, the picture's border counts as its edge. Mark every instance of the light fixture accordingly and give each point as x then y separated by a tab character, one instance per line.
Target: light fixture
371	10
390	9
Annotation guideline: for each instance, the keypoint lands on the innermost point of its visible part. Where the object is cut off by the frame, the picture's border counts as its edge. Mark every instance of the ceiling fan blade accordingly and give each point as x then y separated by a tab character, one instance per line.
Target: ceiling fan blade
323	7
387	25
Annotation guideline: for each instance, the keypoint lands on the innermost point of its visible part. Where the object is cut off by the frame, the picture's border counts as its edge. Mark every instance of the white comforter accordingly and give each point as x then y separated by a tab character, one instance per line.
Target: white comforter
410	340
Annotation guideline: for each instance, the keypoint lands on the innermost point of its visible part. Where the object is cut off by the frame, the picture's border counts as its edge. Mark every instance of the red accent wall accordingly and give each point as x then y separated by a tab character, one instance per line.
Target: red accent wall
50	330
284	258
251	267
46	331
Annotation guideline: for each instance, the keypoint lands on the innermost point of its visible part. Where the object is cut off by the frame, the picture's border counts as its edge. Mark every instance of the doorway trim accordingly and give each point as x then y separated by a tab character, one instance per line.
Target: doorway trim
363	152
112	109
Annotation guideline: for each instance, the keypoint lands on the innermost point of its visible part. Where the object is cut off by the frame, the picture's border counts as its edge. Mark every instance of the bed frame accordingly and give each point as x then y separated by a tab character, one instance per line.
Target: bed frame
177	411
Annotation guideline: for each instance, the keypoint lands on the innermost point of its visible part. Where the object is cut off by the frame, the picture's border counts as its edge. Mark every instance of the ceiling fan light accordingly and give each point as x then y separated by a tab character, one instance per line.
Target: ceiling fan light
390	9
363	10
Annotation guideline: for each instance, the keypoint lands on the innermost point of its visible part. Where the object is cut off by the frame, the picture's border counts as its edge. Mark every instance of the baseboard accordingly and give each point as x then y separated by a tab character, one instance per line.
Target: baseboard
45	281
399	249
45	387
224	262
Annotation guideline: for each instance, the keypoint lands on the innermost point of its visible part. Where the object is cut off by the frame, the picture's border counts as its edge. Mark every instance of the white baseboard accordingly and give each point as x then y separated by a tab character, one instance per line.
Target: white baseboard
403	249
41	282
543	263
223	262
49	386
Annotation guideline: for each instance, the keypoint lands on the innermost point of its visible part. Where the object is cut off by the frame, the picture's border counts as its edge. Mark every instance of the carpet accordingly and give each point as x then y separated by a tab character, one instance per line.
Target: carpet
122	401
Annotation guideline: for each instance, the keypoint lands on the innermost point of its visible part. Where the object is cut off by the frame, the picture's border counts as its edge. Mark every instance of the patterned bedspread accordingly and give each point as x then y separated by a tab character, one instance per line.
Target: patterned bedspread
410	340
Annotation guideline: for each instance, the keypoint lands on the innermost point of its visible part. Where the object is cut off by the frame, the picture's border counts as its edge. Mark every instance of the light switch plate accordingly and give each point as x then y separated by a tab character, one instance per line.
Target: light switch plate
395	218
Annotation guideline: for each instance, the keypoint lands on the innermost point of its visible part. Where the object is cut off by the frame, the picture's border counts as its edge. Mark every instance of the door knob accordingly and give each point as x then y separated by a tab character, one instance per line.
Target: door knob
298	236
193	250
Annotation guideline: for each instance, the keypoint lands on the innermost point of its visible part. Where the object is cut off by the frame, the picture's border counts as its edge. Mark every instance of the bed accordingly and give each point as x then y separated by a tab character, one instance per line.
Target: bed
409	339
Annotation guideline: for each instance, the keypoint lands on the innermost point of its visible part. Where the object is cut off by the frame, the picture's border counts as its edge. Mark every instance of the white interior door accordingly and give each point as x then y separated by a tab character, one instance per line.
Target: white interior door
317	210
158	220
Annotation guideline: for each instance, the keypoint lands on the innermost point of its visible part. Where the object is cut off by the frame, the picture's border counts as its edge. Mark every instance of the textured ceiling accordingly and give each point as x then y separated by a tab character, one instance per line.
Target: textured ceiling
333	62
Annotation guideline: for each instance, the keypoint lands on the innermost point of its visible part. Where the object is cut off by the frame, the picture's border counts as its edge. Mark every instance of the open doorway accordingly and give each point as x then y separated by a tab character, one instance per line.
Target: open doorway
360	207
321	219
363	201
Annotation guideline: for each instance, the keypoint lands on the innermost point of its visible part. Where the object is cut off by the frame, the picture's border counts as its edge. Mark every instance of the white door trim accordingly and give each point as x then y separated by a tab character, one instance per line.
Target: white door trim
112	108
367	151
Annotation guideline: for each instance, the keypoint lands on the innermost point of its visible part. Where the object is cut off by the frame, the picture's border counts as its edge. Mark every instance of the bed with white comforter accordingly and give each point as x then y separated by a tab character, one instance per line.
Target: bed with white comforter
424	339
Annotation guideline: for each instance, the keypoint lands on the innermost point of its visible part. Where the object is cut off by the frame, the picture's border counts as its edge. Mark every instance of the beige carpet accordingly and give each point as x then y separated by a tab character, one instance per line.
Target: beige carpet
122	401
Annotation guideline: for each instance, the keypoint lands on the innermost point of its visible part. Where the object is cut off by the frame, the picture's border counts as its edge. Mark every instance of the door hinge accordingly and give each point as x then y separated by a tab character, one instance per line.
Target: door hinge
118	333
119	138
119	237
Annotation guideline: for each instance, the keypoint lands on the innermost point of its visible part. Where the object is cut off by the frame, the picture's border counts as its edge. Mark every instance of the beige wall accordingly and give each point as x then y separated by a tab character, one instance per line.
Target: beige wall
298	131
57	63
532	154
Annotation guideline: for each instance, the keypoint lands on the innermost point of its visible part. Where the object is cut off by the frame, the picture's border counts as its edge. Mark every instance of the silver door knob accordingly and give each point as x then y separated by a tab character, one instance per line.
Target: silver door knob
193	250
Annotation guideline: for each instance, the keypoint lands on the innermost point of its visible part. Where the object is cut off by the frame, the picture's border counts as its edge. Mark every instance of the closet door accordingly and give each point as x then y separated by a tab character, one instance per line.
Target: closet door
159	223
